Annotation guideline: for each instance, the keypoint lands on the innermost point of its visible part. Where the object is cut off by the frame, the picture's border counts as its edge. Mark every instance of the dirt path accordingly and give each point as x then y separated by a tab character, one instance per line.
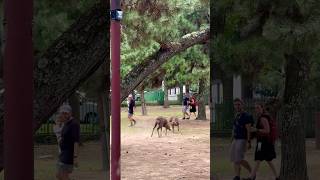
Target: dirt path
183	155
176	156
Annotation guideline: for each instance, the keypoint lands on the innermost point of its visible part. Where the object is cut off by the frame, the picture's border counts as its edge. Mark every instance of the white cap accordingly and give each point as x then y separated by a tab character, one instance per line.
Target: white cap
65	108
130	96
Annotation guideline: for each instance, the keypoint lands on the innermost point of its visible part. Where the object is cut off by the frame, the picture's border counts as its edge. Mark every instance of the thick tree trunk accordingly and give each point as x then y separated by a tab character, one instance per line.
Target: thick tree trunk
201	100
103	92
180	97
75	105
166	98
293	151
143	103
102	129
247	87
71	59
227	82
187	88
138	74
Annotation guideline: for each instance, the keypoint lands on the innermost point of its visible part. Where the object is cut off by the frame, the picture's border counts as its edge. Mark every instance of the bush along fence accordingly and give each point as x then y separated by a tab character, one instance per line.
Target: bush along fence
89	125
223	116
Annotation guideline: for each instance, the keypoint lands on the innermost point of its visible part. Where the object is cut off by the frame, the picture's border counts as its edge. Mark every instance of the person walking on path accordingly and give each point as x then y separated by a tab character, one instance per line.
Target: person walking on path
193	105
69	144
240	138
131	106
265	150
185	106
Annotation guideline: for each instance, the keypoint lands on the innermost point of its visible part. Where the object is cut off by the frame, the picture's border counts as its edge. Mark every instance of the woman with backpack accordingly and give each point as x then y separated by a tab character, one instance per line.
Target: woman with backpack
265	149
193	105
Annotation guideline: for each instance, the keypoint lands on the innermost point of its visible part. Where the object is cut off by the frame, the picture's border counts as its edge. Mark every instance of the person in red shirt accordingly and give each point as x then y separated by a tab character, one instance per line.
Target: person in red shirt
193	105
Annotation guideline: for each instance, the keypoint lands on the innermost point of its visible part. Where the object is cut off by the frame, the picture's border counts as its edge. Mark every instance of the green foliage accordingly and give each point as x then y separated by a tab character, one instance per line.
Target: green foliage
52	18
291	26
143	31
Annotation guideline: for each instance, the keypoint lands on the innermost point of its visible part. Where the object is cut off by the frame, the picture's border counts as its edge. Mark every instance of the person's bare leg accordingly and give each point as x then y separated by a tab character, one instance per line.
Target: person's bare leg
274	171
133	121
130	119
246	165
255	169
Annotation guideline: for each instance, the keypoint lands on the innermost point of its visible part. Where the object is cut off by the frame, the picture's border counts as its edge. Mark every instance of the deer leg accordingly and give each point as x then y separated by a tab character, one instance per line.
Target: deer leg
159	128
153	128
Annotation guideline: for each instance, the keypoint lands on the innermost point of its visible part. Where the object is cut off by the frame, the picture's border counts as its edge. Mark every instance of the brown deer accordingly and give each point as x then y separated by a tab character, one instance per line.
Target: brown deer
174	121
161	122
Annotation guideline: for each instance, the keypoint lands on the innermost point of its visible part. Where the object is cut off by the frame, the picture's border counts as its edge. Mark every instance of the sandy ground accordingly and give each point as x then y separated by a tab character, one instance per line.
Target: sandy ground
183	155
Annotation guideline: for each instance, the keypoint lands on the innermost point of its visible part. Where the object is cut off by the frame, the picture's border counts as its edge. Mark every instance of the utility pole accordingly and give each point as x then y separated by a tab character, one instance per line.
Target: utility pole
116	16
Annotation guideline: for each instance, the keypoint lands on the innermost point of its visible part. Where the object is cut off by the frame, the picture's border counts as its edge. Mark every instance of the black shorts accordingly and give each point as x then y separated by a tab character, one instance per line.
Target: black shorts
266	153
193	109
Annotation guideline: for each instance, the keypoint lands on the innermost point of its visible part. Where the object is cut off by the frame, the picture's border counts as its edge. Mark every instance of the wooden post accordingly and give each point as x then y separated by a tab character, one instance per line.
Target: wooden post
115	95
18	97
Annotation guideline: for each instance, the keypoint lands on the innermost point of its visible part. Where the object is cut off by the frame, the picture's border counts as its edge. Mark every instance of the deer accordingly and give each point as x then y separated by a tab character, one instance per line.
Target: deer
161	122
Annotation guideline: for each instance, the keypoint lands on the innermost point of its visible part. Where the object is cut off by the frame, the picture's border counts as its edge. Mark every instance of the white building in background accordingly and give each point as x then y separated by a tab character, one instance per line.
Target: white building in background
218	89
173	93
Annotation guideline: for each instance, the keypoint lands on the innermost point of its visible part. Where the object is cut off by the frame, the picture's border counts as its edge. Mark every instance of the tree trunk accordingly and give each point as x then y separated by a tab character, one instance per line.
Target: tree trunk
180	97
293	151
227	82
143	103
247	87
166	98
75	105
103	139
103	93
187	88
201	100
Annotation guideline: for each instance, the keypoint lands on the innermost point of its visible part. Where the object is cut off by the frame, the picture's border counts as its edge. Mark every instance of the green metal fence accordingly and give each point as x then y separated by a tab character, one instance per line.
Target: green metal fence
154	97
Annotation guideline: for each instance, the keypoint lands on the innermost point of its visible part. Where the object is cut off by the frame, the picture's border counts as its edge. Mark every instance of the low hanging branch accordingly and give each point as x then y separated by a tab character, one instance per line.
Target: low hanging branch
153	62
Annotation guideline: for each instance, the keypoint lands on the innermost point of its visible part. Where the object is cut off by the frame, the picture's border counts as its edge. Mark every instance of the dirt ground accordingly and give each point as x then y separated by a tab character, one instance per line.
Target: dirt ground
183	155
223	169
